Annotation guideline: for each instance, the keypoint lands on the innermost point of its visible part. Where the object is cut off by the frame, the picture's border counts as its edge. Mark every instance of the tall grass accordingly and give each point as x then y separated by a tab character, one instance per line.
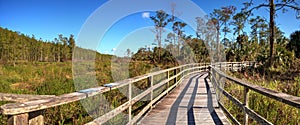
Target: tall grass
45	78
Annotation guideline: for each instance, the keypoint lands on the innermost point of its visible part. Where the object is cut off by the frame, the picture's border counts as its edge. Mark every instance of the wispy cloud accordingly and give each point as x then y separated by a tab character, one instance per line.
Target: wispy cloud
146	15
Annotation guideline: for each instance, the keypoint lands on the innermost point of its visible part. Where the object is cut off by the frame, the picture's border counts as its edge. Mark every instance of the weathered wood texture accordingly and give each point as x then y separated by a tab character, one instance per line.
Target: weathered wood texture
193	102
22	97
36	105
20	119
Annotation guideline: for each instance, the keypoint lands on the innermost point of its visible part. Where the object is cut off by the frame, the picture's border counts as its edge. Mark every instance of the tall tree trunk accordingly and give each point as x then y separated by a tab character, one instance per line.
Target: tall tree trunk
159	42
178	43
272	32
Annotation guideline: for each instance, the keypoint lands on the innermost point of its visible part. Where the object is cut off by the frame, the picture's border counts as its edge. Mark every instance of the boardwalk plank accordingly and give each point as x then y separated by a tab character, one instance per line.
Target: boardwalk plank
193	102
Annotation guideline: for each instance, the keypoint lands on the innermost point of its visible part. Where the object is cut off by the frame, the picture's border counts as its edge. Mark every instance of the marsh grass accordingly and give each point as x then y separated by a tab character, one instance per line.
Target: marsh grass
56	78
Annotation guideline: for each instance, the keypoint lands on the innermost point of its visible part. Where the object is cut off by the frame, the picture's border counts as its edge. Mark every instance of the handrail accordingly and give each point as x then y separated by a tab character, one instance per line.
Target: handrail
282	97
150	90
22	110
21	97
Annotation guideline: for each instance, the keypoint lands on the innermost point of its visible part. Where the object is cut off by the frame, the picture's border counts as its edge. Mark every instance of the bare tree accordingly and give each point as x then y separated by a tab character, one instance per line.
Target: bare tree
161	20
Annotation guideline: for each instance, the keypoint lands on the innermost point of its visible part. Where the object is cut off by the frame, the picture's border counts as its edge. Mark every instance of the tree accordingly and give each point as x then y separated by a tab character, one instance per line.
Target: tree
71	45
259	29
201	27
128	52
206	31
294	44
64	47
220	19
16	47
161	20
170	42
273	7
178	29
239	21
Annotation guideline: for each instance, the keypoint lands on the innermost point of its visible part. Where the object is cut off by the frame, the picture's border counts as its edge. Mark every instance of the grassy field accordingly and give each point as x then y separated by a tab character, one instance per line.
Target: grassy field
44	79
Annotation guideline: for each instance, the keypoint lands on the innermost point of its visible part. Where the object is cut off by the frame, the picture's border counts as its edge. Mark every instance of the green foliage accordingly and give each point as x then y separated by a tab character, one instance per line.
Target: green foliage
161	20
16	48
294	44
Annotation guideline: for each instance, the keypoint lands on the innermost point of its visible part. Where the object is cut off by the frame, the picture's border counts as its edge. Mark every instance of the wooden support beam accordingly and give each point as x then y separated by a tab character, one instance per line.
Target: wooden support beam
20	119
36	118
246	104
130	102
168	83
152	88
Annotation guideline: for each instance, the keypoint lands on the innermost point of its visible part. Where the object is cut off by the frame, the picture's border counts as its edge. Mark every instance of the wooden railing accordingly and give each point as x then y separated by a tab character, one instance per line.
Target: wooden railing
216	76
30	111
22	97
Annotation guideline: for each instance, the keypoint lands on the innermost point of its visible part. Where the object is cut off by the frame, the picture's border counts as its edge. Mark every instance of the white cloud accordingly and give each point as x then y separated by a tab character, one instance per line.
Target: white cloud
146	15
113	49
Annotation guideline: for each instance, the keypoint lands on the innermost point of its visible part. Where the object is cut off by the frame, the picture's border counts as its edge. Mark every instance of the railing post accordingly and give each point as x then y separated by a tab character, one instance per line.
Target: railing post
151	85
193	66
129	98
32	118
220	66
175	73
210	72
246	100
168	83
36	118
232	67
20	119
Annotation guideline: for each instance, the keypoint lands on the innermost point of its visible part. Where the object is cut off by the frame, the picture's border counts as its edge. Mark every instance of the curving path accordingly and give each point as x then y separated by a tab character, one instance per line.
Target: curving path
193	102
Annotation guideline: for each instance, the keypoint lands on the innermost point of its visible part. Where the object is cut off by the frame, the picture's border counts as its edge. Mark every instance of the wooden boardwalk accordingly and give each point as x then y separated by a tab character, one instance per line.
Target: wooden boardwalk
193	102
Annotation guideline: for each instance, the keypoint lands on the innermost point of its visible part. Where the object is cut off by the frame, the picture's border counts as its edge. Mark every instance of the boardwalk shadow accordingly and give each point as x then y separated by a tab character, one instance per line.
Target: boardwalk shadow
210	106
190	106
174	109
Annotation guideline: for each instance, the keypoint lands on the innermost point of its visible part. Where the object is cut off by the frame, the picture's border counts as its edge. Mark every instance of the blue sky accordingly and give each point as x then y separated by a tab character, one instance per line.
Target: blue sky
47	18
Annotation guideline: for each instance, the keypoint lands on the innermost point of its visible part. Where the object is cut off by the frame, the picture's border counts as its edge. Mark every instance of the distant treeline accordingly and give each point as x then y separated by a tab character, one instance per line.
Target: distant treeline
192	50
16	47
